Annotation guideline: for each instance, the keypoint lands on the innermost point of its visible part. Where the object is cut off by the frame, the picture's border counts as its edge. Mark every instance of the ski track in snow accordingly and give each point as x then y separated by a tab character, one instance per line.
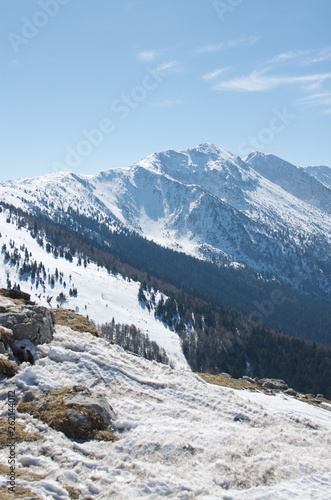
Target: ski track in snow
180	438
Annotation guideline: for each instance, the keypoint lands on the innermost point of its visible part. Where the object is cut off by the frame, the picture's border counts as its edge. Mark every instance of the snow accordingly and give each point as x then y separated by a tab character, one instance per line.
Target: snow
101	296
205	202
180	437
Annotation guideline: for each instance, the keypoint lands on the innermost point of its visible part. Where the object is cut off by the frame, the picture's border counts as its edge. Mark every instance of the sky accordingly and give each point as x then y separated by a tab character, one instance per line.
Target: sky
88	85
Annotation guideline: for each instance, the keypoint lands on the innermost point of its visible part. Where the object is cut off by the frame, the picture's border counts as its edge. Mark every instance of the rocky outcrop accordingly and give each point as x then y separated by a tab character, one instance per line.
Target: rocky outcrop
75	411
23	325
31	322
272	383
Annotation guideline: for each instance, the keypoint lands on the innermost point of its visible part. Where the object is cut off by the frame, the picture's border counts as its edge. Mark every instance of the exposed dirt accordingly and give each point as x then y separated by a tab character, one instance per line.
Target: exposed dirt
239	384
67	317
21	434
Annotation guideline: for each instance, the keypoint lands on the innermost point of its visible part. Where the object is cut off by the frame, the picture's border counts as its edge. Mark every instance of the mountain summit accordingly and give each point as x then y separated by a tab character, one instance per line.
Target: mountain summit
260	212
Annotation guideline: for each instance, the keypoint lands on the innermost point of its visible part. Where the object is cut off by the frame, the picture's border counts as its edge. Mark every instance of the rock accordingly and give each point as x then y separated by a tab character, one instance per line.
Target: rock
75	411
271	383
24	350
82	396
31	322
249	379
290	392
241	417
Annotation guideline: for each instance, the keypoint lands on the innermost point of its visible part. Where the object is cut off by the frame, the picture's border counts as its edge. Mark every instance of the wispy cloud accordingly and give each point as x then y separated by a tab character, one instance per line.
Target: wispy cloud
321	100
320	56
213	74
147	56
167	103
229	44
259	81
289	56
168	67
303	57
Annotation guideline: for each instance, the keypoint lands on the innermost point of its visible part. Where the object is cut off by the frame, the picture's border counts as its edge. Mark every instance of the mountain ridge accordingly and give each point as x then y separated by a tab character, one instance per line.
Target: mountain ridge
205	202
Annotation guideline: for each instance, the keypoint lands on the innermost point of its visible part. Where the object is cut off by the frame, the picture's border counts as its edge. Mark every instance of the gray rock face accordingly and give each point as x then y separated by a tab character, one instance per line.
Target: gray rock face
290	392
82	396
271	383
34	323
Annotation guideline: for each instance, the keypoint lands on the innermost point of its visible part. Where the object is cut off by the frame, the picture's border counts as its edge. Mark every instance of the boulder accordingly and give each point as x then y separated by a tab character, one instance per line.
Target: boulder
272	383
290	392
75	411
26	321
82	396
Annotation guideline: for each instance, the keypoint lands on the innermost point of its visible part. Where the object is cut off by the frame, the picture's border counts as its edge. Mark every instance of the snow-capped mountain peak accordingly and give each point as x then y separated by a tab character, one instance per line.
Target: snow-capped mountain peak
292	179
322	173
262	211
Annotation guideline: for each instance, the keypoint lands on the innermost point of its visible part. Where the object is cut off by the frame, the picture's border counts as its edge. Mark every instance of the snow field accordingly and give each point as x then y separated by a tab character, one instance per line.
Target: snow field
180	437
101	296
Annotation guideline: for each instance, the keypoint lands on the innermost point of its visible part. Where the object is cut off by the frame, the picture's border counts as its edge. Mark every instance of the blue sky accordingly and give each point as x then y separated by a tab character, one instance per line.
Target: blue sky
88	85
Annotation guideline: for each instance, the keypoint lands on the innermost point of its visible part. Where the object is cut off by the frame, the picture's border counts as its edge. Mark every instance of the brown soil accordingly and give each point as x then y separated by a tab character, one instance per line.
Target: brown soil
77	322
21	473
21	434
17	296
19	494
7	368
240	384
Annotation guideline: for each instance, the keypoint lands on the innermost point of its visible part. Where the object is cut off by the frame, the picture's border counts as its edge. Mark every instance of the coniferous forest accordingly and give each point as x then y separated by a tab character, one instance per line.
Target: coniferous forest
227	319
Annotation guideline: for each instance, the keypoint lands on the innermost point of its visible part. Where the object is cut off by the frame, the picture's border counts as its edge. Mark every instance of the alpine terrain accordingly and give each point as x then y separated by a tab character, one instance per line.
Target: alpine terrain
261	212
127	296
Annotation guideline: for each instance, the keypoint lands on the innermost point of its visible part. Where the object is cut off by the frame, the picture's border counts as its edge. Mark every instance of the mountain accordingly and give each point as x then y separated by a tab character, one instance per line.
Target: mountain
207	203
304	183
87	245
322	173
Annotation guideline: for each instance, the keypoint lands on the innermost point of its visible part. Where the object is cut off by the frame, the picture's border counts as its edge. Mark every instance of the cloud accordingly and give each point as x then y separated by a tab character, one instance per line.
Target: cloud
321	99
289	56
147	56
258	81
320	56
303	57
229	44
168	67
213	74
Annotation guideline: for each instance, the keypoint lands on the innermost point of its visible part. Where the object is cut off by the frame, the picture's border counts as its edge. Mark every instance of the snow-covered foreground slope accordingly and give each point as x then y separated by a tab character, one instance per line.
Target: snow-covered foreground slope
180	438
101	296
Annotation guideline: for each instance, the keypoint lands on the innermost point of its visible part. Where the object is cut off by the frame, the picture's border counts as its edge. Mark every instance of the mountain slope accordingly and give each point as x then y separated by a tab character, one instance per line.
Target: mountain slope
58	265
294	180
179	437
322	173
100	295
